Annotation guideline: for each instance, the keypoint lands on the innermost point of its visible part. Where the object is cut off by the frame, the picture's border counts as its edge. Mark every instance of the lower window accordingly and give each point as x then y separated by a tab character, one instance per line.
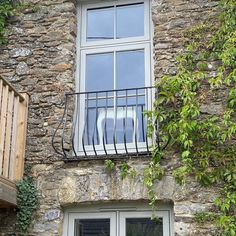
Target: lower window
118	222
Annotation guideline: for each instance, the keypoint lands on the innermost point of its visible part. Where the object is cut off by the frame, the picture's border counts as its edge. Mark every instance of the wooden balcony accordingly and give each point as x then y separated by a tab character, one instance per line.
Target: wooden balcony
13	123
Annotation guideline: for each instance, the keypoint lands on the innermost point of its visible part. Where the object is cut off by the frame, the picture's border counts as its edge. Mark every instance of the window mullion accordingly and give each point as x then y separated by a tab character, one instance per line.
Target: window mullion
117	223
115	22
115	93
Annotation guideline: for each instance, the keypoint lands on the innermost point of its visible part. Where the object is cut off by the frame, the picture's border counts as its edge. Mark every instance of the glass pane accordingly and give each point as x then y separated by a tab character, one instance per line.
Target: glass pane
144	227
90	135
92	227
99	72
130	21
100	24
99	116
124	125
130	69
108	131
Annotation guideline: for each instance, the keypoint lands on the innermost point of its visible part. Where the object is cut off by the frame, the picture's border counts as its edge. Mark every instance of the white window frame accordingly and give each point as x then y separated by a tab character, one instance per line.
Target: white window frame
144	214
101	46
117	213
103	215
112	45
115	49
85	7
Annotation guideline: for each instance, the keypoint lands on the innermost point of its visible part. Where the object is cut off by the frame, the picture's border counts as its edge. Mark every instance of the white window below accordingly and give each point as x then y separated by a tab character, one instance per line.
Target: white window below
121	221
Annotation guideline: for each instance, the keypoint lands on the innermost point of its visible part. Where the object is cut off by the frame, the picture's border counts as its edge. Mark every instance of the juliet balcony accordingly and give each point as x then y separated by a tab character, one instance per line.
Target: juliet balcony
13	123
105	124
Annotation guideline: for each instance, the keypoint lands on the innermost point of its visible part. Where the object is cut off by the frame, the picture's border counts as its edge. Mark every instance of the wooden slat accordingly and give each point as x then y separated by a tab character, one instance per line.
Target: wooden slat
13	124
7	182
21	137
3	118
14	137
8	135
7	191
0	95
11	88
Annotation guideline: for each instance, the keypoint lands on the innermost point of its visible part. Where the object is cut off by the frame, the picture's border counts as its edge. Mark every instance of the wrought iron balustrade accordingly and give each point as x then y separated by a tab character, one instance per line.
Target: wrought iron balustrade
99	124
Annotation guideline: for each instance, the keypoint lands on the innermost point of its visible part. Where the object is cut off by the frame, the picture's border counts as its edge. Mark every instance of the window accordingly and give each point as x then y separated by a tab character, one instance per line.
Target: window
114	76
118	221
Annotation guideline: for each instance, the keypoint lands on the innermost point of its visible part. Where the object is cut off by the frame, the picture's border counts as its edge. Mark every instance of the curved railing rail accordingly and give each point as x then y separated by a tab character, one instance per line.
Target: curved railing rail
13	123
104	124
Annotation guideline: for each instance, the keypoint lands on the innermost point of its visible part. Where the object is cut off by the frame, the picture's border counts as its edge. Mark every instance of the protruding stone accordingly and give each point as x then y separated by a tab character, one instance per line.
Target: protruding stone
52	215
22	69
211	109
61	67
20	52
67	191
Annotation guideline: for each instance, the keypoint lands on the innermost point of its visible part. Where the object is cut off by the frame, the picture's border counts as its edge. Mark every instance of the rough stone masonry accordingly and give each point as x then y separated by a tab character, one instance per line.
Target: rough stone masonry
40	58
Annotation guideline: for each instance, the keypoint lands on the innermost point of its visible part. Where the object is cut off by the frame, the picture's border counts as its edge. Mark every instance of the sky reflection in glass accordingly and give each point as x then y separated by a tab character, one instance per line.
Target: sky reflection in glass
99	72
126	20
130	21
100	25
130	71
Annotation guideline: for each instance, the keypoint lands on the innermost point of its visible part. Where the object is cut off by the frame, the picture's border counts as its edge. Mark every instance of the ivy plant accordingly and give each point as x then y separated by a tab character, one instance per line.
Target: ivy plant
27	201
6	10
124	170
206	143
109	165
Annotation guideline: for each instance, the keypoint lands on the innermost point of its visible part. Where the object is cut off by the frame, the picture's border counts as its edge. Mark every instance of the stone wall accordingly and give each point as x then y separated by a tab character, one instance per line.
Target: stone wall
66	185
40	59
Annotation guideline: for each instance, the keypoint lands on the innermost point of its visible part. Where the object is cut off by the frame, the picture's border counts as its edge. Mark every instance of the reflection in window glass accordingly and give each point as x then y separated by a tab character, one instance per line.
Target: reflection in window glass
130	21
127	19
100	24
123	121
130	69
92	227
144	227
99	72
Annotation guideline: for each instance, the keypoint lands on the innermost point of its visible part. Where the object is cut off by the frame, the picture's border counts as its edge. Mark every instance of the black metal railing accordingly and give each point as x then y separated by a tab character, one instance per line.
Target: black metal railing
99	124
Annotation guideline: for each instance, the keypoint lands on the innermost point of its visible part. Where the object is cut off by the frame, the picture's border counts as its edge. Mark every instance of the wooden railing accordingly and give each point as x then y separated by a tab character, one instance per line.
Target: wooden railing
13	123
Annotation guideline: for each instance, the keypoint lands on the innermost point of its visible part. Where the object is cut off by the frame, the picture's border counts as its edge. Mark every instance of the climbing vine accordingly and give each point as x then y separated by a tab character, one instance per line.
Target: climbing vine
10	8
6	10
206	142
27	201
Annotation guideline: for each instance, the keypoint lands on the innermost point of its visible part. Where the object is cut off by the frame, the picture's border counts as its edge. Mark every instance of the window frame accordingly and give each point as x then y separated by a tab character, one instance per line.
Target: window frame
86	6
84	215
115	49
147	214
117	213
102	46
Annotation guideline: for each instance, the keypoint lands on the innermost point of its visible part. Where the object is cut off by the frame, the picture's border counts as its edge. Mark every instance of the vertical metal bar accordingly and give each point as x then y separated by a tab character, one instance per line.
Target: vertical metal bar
54	135
152	95
104	126
157	132
64	126
85	123
95	126
143	131
125	125
115	117
76	112
147	107
87	126
135	128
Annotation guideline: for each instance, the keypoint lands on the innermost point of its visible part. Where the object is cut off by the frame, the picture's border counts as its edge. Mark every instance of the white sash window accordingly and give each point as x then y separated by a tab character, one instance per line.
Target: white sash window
114	54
